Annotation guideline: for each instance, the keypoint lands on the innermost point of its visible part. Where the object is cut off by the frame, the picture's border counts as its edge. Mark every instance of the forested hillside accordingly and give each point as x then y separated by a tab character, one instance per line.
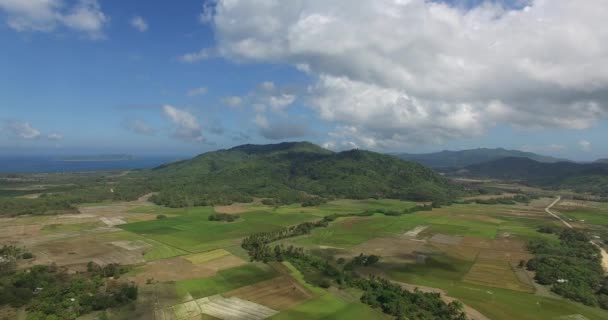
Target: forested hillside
590	177
465	158
293	172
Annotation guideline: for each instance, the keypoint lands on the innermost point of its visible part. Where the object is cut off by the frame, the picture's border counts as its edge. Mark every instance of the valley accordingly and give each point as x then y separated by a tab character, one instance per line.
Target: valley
191	262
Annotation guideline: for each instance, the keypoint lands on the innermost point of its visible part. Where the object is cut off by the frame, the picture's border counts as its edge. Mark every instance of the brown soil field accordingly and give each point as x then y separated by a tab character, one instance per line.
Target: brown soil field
445	239
14	233
178	268
279	293
77	252
232	209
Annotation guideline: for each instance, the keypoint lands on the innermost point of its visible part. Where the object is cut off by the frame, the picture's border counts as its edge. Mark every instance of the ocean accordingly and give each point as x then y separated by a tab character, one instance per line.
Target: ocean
33	164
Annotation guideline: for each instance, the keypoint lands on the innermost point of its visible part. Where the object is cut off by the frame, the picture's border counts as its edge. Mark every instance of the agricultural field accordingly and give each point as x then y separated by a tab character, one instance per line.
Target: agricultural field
187	265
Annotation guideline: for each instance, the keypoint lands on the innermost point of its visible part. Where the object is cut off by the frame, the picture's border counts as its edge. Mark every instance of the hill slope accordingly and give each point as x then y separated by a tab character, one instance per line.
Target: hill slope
465	158
588	177
293	172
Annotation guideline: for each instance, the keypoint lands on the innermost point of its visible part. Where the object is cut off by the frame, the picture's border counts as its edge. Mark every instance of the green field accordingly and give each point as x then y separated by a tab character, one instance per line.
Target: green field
596	215
225	280
326	305
193	232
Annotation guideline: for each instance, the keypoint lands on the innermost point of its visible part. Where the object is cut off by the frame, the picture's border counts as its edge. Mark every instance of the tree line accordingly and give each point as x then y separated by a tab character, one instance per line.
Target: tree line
378	293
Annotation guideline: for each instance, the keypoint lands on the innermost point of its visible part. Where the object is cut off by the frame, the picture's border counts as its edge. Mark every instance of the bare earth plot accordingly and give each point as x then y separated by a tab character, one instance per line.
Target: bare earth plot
181	268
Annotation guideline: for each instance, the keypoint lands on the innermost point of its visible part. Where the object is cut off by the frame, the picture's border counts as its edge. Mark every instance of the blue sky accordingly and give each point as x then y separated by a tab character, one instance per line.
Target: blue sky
160	77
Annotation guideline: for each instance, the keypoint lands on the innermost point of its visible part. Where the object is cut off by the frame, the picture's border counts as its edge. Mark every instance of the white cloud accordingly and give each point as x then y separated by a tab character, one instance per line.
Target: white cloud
22	130
280	102
416	71
261	121
197	91
139	23
46	15
54	136
194	57
186	126
232	101
585	145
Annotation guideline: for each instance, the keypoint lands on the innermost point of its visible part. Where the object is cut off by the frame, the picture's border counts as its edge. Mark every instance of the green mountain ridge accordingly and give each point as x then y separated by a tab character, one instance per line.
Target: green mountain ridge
294	172
463	158
580	177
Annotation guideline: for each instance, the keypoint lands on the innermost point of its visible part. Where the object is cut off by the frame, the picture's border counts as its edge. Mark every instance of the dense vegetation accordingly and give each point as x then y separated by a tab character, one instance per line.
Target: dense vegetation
10	255
291	173
590	177
572	267
282	173
49	293
60	193
223	217
379	293
463	158
519	198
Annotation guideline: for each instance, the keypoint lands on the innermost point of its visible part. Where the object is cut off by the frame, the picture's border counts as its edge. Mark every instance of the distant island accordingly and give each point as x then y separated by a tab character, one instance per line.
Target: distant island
99	157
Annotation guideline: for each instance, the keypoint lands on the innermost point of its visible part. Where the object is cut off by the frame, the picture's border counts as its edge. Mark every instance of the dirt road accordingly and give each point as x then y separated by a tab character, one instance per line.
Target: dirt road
602	251
548	210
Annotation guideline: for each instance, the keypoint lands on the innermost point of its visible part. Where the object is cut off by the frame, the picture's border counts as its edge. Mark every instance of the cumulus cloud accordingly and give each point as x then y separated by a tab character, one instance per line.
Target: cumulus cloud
186	126
197	91
139	24
410	72
585	145
140	127
22	130
47	15
232	101
194	57
269	96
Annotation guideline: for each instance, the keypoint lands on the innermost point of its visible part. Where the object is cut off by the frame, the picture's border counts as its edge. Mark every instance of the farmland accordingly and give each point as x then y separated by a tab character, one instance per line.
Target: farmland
186	264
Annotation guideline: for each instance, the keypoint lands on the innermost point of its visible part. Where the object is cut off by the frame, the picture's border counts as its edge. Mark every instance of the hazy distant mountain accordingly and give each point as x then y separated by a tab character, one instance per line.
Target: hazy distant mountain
583	177
601	160
465	158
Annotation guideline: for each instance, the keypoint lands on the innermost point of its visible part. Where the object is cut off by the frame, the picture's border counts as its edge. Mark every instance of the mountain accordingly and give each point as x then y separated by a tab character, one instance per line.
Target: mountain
582	177
465	158
601	161
293	172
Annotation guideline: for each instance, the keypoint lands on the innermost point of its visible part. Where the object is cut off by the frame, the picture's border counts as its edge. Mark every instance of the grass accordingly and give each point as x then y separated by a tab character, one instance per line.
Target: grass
496	273
502	304
343	206
225	280
329	307
324	305
444	272
193	232
597	215
200	258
